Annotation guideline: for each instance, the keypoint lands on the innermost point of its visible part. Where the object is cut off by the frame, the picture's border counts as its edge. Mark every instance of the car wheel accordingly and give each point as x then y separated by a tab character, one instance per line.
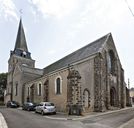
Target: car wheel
42	112
28	109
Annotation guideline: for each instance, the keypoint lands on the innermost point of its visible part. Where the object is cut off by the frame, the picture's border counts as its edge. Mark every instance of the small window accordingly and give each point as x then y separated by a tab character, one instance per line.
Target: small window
28	91
39	89
16	89
58	86
7	90
21	54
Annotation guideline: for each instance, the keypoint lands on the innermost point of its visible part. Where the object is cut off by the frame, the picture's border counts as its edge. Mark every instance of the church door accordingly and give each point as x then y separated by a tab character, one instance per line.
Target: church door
112	96
86	98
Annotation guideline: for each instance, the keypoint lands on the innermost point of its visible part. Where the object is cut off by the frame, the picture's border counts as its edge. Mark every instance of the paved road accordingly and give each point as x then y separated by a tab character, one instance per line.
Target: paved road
16	118
112	120
23	119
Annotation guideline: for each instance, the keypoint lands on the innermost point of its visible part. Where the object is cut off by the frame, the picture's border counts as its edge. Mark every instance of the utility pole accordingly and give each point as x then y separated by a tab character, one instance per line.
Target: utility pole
129	98
128	84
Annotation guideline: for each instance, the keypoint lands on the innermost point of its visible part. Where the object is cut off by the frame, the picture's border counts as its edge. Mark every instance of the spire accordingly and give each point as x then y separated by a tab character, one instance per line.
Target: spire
21	40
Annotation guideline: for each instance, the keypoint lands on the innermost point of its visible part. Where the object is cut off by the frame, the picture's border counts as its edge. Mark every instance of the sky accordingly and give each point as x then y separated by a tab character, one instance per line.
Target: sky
56	28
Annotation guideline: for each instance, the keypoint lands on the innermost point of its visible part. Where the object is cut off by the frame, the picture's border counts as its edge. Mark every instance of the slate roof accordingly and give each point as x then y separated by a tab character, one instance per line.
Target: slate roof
78	55
30	70
21	40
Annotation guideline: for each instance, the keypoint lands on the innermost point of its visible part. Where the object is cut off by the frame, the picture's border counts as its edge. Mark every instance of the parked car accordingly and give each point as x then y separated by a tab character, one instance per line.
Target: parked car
29	106
12	104
45	107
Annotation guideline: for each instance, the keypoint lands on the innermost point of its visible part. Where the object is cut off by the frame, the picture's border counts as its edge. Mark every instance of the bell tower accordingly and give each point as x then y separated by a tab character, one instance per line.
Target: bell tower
19	57
20	54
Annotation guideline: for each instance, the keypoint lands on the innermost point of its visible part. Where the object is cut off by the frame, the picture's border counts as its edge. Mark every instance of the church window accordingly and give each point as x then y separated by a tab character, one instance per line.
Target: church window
28	91
58	86
7	90
16	89
39	89
111	62
23	54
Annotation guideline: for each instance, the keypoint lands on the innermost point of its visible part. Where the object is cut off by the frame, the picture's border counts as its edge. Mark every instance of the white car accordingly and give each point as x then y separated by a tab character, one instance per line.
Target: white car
45	107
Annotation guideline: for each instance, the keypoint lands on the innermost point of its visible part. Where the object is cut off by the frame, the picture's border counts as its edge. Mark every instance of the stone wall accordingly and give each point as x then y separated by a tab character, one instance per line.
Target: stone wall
48	86
109	88
100	83
60	100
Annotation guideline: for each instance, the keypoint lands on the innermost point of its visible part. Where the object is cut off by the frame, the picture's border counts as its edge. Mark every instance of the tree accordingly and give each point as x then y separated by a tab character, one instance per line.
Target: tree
3	83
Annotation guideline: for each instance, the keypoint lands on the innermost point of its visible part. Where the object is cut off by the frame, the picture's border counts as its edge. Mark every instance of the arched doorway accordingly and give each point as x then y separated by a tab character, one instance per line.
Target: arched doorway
86	98
32	93
113	97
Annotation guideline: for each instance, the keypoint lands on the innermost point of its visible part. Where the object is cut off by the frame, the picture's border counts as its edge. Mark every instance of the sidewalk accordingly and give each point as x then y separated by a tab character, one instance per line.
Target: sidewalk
63	116
129	124
3	123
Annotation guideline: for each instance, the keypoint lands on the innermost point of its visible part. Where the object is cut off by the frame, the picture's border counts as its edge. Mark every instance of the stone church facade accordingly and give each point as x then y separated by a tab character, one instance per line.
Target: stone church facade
89	79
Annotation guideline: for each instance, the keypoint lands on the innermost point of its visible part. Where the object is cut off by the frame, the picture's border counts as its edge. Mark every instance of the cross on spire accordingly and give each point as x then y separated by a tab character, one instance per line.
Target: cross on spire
21	12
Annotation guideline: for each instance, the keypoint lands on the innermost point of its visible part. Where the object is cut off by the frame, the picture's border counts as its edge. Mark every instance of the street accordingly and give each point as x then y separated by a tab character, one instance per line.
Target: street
112	120
17	118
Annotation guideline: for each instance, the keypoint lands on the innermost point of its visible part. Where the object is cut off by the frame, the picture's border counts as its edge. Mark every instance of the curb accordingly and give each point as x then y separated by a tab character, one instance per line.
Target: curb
3	123
103	113
87	116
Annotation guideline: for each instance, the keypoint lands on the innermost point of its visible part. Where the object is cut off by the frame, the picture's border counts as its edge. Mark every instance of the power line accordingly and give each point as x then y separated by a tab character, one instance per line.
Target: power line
129	8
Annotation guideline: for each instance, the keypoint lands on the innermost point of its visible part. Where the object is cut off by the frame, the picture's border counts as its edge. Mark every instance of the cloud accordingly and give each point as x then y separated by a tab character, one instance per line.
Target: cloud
52	52
8	10
96	13
56	8
102	12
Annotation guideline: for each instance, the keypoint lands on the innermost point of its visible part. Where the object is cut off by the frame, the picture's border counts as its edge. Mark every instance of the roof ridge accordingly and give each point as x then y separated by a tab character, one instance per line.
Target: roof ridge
88	45
108	35
80	54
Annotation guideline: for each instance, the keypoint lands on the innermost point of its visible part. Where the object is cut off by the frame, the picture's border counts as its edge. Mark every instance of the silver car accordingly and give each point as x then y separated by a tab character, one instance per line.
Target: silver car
45	107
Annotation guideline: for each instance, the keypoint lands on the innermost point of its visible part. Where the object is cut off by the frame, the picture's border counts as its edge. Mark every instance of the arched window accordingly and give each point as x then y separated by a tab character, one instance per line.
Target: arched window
28	91
86	98
113	96
111	62
16	89
58	86
39	89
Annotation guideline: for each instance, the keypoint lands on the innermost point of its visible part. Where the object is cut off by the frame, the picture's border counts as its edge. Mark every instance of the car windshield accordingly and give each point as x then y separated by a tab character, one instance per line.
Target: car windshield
14	102
49	104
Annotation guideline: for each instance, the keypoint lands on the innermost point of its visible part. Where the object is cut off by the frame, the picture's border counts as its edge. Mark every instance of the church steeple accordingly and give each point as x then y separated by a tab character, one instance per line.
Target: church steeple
21	40
20	48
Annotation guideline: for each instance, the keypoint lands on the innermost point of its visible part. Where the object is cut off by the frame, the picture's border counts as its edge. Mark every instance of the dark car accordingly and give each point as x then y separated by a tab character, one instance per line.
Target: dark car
29	106
12	104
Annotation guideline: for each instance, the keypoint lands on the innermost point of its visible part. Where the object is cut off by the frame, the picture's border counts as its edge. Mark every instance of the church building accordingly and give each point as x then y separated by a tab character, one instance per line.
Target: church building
89	79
